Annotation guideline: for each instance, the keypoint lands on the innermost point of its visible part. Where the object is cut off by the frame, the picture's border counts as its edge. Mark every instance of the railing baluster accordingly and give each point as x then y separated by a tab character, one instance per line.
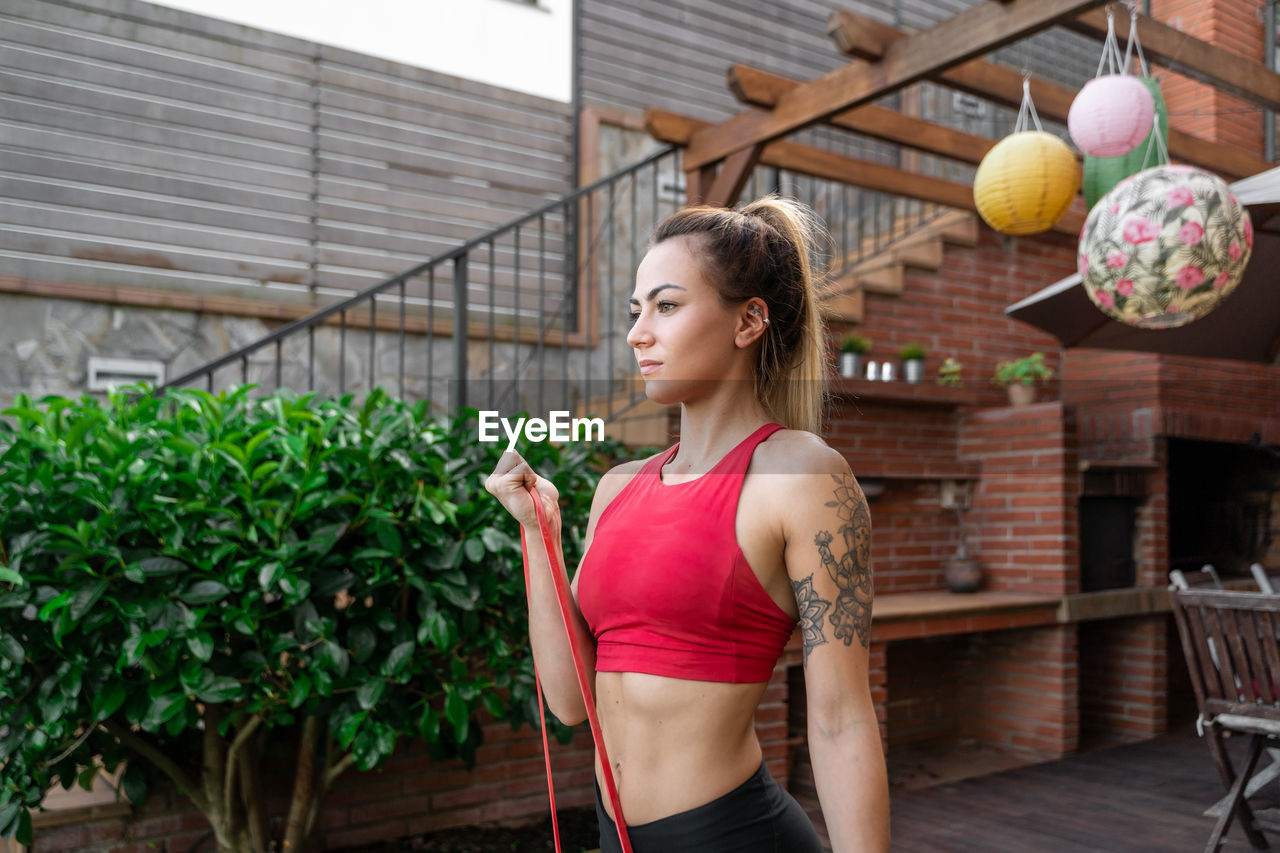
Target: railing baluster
542	301
244	369
400	342
515	323
342	353
460	330
311	356
279	361
431	327
373	342
606	324
493	293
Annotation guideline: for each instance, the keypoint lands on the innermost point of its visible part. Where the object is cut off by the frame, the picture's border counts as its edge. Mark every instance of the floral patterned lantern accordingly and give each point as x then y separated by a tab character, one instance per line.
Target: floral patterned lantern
1164	247
1111	115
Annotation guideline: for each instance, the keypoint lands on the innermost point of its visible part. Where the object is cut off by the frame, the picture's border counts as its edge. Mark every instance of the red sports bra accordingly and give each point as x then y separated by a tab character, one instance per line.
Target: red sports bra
666	589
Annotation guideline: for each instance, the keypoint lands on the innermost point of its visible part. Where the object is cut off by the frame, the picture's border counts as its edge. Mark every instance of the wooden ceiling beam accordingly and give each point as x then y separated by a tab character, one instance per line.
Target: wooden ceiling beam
1191	56
1004	86
763	89
968	34
666	126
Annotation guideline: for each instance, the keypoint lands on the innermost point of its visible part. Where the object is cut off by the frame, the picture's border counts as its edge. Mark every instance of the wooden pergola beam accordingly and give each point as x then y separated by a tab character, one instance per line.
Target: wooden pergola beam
666	126
1191	56
1004	86
968	34
763	89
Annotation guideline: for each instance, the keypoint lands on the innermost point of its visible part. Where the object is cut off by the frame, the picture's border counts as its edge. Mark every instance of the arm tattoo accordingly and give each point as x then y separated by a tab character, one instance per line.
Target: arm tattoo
852	571
812	608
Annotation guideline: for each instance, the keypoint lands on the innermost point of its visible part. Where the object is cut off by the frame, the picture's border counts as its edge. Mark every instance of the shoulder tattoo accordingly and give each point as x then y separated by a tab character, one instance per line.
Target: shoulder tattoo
851	570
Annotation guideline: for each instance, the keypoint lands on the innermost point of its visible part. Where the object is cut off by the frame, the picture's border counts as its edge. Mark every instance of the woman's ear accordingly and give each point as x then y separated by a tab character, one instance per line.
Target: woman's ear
753	322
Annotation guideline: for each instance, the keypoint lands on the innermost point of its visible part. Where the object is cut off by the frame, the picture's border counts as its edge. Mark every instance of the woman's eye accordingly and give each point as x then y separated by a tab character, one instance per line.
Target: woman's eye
633	316
666	306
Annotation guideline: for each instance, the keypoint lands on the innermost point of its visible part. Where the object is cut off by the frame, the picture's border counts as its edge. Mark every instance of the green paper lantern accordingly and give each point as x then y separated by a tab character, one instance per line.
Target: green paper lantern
1101	174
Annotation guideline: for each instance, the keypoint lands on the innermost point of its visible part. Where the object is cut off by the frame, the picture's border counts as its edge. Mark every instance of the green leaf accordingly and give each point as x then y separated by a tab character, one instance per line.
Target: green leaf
205	592
201	645
494	539
363	641
10	576
474	548
55	604
157	566
389	538
368	694
107	701
400	655
134	783
85	598
269	574
456	712
300	690
221	689
11	650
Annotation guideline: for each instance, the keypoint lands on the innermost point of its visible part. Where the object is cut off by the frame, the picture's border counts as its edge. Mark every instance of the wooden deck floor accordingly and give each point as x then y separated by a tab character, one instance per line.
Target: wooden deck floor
1143	797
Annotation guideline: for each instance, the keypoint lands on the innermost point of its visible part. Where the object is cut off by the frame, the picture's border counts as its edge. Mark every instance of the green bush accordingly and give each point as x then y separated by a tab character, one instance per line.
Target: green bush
191	578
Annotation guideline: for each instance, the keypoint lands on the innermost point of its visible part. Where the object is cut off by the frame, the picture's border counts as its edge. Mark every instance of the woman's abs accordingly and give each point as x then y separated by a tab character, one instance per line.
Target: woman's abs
675	744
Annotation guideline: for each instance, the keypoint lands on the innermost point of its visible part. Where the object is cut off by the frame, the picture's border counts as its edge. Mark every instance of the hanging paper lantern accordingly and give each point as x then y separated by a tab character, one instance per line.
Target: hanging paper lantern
1103	173
1164	247
1111	115
1026	182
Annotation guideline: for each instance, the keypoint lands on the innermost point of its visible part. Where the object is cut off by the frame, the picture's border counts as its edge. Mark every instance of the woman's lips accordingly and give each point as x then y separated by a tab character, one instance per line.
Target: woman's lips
647	367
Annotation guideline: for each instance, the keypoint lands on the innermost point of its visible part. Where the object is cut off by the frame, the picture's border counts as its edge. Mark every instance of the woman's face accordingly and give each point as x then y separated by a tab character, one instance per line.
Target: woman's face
682	333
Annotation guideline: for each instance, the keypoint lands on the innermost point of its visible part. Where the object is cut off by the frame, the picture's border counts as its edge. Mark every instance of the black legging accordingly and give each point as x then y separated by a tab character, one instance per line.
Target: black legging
756	817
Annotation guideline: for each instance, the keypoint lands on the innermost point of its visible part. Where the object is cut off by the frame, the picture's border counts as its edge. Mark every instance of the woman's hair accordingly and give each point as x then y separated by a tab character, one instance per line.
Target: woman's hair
765	249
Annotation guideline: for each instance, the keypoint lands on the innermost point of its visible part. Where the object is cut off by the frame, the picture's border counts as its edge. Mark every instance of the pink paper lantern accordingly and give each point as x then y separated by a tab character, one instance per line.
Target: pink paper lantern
1111	115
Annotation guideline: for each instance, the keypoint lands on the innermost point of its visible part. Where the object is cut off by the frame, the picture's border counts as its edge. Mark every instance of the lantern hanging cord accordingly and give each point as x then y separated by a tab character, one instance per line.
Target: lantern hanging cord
1111	58
1134	45
1027	109
1156	140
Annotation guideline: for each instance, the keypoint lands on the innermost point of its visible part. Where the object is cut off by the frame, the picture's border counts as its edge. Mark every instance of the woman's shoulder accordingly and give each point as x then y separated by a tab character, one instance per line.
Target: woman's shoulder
797	451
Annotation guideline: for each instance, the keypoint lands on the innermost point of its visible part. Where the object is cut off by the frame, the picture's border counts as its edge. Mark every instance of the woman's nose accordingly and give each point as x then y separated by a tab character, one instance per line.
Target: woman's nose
638	334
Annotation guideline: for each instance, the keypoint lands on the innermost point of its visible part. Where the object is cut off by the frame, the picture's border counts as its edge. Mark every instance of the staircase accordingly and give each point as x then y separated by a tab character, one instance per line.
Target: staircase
883	271
543	300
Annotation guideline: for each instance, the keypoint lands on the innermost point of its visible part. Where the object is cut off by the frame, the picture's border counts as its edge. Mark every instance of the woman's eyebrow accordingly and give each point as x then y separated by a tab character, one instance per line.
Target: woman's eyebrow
655	292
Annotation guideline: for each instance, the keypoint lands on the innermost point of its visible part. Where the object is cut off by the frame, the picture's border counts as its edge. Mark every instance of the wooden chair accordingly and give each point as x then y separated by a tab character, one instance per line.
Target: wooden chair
1233	657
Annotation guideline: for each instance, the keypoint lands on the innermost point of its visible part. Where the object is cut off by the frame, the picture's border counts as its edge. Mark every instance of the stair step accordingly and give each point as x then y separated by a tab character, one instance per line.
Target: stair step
845	307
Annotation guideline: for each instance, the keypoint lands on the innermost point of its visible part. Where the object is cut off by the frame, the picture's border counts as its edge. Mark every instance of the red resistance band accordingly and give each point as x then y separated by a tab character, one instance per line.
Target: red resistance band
584	684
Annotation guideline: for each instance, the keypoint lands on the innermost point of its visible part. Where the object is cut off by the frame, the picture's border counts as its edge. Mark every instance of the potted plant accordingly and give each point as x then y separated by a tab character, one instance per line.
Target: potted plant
949	373
852	349
1020	376
912	362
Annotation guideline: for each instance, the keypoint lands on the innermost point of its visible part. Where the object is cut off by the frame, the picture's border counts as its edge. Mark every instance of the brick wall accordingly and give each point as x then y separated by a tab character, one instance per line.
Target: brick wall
413	793
1124	670
1023	521
1027	699
1197	108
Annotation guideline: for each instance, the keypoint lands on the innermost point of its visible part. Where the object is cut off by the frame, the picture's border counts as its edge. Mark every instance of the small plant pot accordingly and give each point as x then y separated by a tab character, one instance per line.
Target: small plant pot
963	575
1021	394
850	364
913	369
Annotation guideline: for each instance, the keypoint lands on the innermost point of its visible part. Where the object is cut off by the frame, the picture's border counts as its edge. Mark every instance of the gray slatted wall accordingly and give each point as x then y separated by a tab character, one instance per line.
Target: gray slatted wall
145	146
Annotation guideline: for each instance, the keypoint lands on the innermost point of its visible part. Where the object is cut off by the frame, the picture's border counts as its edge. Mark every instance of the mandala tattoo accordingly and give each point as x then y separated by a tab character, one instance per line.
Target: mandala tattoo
851	571
812	608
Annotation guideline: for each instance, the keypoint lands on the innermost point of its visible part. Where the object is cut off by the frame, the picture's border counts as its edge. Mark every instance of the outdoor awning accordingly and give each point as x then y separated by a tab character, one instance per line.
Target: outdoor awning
1245	326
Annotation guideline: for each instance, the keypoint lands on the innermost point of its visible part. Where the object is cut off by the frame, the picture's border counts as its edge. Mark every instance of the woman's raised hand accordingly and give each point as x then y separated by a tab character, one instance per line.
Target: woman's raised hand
509	483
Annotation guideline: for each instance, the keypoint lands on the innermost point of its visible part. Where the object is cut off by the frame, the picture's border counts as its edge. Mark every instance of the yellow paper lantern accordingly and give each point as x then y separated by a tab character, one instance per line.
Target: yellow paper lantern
1026	183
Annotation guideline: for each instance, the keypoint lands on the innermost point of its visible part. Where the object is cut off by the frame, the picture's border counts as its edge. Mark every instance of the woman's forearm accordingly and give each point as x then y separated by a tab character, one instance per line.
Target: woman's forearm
848	767
551	651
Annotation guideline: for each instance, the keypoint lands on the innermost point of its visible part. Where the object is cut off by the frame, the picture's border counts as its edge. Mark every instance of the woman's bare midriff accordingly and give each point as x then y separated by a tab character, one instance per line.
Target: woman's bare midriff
675	744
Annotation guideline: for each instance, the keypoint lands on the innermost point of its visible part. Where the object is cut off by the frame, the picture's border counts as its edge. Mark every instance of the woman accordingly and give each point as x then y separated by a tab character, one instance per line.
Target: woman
701	561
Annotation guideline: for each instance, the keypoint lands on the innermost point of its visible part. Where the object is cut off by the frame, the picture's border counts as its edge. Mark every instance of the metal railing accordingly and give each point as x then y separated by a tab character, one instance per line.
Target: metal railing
531	315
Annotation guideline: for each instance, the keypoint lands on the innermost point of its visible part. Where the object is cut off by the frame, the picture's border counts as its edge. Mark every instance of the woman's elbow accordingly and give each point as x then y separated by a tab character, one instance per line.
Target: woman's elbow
569	713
